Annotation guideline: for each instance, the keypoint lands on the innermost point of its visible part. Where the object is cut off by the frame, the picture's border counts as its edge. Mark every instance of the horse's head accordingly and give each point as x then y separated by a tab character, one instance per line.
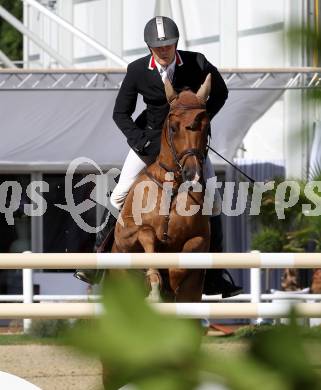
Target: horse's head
186	131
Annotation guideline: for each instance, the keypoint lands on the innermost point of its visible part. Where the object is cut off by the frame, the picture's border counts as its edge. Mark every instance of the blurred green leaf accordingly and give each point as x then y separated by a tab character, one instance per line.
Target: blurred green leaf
244	374
152	351
134	341
282	350
307	41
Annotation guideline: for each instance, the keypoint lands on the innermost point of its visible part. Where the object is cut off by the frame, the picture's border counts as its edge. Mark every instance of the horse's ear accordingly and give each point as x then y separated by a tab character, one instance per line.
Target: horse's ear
170	92
205	89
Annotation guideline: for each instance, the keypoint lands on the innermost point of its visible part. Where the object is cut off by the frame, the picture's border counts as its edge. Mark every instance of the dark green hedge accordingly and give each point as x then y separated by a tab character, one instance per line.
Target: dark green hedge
10	38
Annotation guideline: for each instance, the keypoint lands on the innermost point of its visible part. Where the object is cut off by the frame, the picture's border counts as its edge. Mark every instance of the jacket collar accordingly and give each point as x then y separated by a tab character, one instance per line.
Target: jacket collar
152	63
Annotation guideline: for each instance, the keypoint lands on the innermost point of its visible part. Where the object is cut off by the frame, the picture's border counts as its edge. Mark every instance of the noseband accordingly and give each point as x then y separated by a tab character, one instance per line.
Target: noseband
199	154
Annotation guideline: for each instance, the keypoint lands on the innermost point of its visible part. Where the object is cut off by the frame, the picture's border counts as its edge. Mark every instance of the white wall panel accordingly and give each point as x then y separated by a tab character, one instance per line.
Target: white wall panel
211	51
202	18
261	44
263	50
254	13
136	15
265	139
90	17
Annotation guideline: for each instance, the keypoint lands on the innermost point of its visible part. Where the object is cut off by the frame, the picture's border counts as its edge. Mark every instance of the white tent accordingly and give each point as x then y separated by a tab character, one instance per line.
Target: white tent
47	127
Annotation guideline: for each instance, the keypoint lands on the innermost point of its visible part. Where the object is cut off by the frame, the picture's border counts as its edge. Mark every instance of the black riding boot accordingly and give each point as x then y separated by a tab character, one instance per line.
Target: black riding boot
94	276
219	281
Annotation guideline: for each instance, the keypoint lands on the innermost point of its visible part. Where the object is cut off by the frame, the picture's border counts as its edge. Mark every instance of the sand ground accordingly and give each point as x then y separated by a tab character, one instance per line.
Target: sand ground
51	367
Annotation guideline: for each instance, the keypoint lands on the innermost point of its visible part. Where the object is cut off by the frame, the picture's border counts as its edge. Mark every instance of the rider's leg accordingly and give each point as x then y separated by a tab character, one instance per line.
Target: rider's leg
132	167
217	281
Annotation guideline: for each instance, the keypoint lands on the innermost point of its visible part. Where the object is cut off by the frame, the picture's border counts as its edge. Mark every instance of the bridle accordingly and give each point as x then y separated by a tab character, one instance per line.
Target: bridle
177	157
200	155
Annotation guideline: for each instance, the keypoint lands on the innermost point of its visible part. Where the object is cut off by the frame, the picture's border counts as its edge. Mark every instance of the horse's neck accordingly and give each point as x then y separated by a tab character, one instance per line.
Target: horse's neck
166	156
159	175
157	172
166	159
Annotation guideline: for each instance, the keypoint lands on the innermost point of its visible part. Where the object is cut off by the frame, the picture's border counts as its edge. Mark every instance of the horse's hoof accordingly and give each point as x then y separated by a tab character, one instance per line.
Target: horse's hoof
154	295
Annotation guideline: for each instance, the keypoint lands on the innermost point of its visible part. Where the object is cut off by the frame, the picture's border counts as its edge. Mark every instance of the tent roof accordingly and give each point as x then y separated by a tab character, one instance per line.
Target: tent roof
264	78
49	118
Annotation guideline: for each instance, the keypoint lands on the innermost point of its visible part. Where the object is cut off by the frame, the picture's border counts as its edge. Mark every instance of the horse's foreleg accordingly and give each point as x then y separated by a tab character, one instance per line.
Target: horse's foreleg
187	284
147	238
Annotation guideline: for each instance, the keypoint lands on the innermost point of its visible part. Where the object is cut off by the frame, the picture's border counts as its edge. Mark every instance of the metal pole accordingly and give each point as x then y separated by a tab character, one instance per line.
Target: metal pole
27	284
84	37
178	15
115	28
20	27
255	287
26	42
6	60
228	33
36	222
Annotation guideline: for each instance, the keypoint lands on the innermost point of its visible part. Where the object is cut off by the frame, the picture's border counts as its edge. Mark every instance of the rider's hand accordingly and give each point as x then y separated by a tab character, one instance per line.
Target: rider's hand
151	148
139	146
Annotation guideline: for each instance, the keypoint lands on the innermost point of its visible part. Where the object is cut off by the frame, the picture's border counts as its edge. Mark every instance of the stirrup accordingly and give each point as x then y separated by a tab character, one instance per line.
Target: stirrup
89	276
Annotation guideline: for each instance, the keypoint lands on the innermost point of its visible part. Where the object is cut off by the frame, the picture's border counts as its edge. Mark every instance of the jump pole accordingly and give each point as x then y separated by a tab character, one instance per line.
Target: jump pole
158	260
185	310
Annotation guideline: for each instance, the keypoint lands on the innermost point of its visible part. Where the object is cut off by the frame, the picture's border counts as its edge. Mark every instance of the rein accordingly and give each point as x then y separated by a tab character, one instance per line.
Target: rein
252	181
200	155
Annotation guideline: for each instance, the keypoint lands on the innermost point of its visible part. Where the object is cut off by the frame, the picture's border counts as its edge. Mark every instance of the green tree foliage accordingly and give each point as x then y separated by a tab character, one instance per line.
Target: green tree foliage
299	230
268	240
10	38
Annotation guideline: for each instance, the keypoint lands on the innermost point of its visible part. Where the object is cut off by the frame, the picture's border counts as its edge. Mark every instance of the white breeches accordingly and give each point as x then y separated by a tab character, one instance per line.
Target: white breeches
134	165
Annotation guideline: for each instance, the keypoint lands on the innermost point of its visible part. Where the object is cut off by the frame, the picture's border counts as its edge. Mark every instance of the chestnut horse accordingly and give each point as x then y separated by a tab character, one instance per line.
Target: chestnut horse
182	154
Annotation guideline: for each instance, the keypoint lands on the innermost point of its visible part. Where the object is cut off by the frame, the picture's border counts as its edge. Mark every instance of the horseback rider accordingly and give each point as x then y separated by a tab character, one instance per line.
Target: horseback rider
146	76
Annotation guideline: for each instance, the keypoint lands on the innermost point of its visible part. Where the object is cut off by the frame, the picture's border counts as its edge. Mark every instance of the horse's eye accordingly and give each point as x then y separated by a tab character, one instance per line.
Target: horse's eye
174	126
194	125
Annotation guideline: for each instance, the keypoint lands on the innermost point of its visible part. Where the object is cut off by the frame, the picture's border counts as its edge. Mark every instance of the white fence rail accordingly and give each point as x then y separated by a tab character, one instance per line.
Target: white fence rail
158	260
238	309
186	310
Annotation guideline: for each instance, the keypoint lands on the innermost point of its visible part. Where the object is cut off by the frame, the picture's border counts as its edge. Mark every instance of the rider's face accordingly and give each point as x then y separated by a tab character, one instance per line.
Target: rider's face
164	55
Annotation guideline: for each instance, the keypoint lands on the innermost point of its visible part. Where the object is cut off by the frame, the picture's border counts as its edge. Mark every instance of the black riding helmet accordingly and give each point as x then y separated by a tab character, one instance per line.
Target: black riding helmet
161	31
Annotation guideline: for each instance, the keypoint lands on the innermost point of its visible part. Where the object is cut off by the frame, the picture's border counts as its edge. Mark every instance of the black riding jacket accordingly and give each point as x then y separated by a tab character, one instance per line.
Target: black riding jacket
143	78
